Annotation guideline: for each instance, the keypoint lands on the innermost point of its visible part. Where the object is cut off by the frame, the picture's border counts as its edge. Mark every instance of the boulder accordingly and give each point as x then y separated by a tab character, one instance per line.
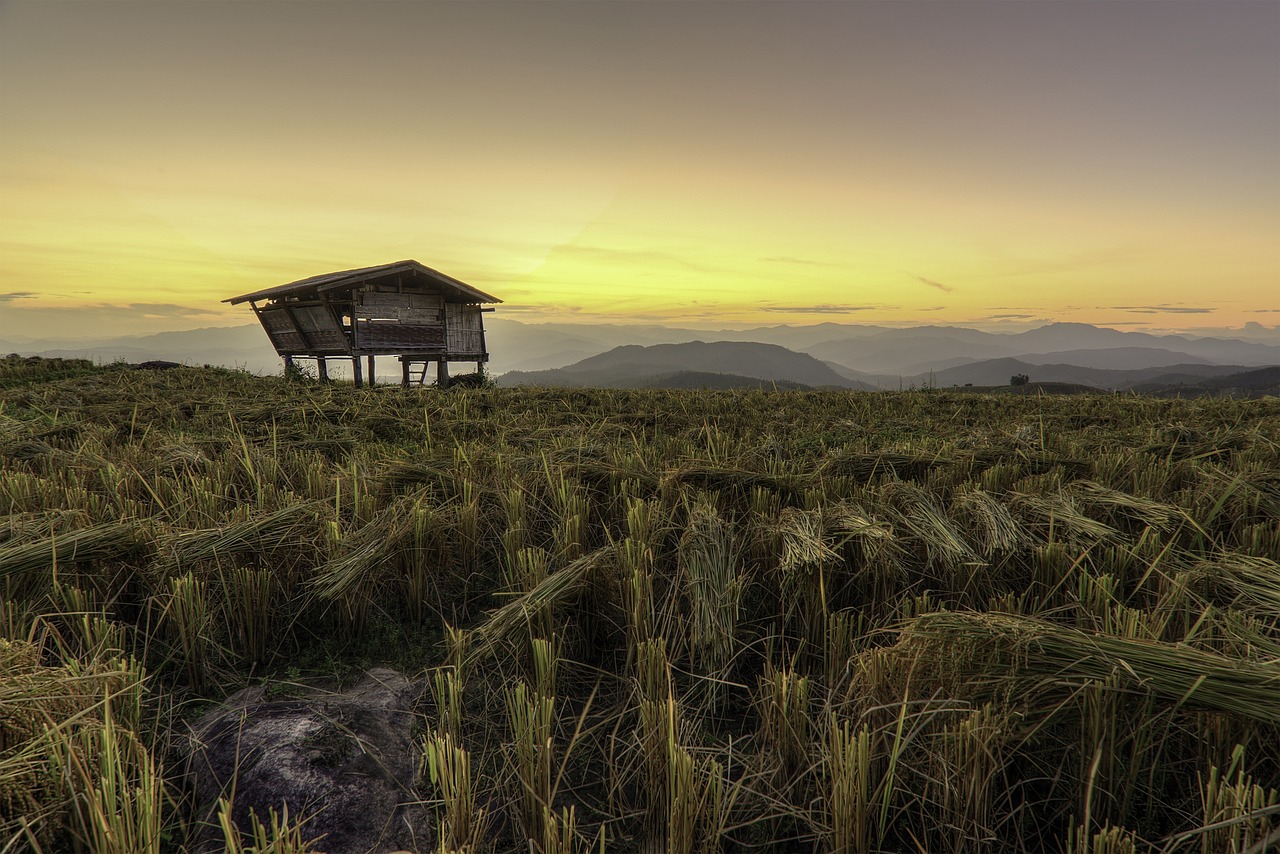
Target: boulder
344	762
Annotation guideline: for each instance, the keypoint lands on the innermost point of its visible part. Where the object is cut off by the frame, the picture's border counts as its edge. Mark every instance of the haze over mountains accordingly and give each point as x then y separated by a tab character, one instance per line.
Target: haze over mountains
820	355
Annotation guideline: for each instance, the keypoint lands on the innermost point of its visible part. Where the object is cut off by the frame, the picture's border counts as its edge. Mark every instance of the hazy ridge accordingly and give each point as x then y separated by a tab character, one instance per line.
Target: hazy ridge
826	355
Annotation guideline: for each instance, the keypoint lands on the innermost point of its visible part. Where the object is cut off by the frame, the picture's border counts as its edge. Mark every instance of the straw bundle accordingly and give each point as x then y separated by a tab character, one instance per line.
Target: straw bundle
514	617
1035	648
257	536
107	541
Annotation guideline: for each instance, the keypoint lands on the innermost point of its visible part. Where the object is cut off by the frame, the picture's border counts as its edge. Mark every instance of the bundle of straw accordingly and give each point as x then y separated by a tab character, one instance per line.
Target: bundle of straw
399	475
514	617
1055	511
1177	673
258	536
1152	513
1244	581
360	564
107	541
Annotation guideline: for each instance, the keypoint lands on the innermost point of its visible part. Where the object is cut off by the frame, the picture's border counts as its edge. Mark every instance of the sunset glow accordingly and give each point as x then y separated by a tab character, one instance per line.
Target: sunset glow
681	163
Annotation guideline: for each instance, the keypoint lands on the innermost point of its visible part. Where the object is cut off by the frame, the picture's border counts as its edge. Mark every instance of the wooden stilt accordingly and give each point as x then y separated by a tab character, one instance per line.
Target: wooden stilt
371	371
404	372
442	374
288	367
355	371
322	369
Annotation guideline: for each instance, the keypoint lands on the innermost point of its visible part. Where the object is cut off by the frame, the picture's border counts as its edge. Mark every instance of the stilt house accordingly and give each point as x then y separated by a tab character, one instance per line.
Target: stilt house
404	309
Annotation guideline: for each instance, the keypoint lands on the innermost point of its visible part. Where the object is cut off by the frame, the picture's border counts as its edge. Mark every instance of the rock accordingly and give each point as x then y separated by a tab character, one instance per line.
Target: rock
344	762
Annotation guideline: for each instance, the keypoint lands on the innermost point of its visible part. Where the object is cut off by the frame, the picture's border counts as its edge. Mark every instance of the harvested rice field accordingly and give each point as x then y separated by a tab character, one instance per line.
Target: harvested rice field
651	620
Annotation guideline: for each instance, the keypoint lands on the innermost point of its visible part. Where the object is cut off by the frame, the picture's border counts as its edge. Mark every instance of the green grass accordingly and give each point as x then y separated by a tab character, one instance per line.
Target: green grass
721	620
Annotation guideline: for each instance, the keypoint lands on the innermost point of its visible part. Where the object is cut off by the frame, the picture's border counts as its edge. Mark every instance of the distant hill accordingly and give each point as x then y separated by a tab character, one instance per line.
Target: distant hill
630	365
893	351
915	350
996	372
1254	383
890	352
862	354
1079	336
228	346
1116	358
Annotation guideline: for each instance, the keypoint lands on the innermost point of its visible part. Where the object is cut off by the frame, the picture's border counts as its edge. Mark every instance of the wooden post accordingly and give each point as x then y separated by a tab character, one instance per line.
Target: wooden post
322	369
442	374
404	372
355	371
288	367
371	374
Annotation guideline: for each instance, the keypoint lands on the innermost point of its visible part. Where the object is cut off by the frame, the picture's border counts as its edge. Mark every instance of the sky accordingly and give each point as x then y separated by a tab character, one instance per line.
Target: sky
688	163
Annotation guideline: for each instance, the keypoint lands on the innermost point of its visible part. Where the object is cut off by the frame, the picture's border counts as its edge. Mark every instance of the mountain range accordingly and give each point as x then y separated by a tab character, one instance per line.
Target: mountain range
821	355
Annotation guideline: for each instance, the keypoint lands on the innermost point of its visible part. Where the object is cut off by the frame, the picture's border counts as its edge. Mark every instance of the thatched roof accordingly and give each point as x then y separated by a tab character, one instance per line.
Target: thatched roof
347	279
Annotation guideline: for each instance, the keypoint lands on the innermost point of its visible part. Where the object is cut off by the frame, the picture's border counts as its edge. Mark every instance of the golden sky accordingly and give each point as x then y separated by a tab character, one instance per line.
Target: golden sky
691	163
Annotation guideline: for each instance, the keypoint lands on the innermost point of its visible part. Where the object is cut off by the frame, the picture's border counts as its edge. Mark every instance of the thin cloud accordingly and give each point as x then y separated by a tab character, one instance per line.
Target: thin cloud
1163	309
807	262
1009	316
13	295
165	308
823	309
540	309
931	283
147	309
624	256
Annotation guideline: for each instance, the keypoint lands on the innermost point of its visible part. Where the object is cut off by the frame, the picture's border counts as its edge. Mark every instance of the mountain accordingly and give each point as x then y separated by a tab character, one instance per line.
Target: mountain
1116	358
872	355
867	381
1254	383
997	372
915	350
892	351
1079	336
244	347
632	364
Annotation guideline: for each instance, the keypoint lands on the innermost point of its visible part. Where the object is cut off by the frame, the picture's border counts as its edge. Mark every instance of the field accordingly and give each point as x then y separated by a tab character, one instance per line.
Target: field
673	620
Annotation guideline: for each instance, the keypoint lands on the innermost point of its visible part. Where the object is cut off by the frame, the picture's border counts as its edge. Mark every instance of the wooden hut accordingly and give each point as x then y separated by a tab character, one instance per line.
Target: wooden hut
404	309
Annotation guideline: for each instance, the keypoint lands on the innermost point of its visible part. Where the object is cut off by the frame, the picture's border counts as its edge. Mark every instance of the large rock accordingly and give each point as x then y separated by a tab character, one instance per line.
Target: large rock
345	762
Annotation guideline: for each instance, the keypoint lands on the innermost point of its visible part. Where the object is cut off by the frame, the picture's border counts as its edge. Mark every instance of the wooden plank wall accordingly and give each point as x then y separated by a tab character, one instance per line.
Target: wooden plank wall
280	328
466	329
320	329
390	335
404	308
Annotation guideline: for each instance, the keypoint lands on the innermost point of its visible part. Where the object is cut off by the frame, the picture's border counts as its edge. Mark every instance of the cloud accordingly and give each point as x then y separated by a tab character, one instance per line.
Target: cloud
1009	316
787	259
933	308
164	308
1108	257
1162	309
931	283
1264	311
118	310
13	295
823	309
539	309
632	256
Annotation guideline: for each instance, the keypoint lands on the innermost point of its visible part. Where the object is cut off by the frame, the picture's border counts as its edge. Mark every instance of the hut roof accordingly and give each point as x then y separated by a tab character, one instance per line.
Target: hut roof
350	278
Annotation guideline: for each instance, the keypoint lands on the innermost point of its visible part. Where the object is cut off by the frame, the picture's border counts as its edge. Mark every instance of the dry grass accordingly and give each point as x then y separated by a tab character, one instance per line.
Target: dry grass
745	621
